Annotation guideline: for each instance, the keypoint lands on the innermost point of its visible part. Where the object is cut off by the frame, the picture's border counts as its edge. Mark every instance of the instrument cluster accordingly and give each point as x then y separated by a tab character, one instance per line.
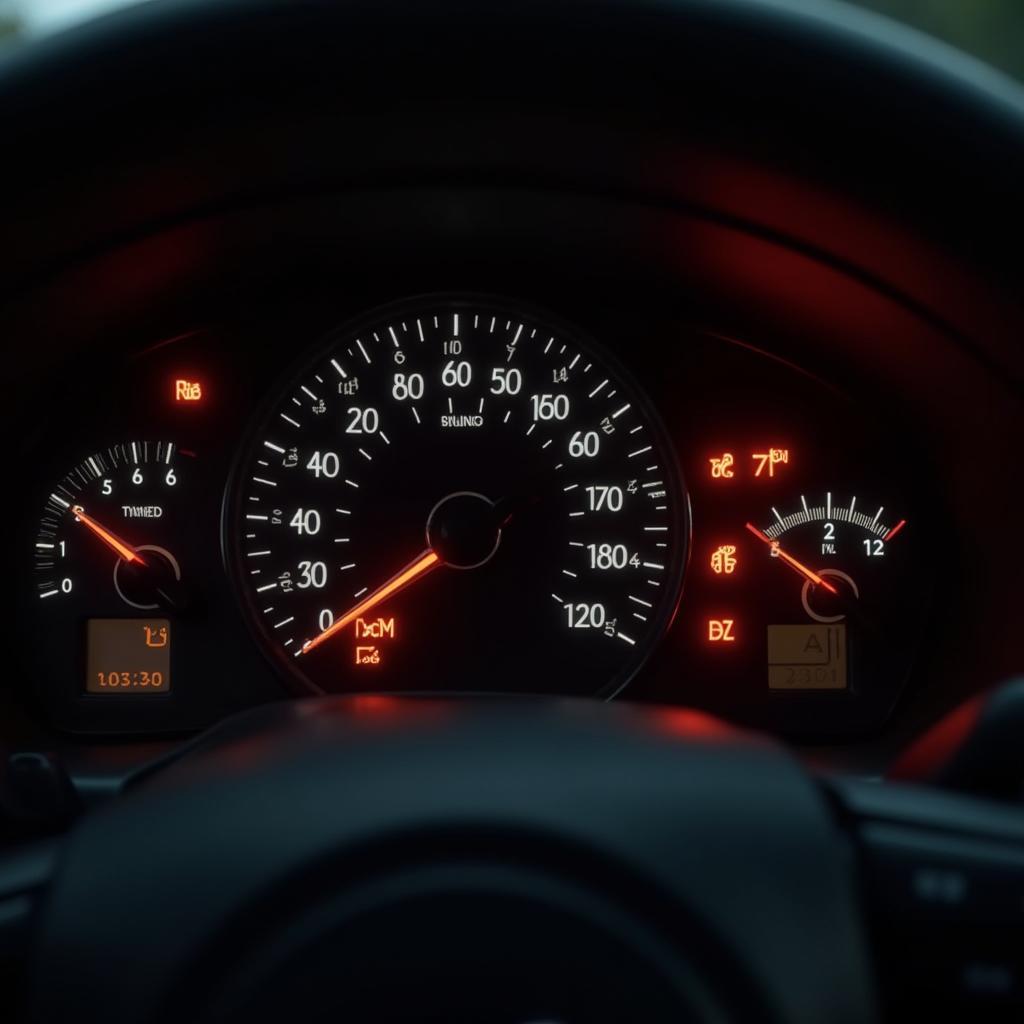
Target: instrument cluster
464	493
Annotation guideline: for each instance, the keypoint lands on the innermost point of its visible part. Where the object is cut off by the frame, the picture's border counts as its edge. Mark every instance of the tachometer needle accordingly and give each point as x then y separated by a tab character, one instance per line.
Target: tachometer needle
791	561
128	553
417	568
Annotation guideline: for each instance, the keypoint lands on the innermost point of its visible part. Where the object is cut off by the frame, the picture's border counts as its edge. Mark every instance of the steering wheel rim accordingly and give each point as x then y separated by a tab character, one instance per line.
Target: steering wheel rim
652	814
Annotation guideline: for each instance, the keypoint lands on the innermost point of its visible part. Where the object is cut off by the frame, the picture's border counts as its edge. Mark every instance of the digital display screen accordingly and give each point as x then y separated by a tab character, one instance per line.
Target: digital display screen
807	657
128	656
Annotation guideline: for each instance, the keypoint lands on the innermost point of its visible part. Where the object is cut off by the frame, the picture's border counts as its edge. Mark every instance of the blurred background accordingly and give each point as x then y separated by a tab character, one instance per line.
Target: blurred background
992	30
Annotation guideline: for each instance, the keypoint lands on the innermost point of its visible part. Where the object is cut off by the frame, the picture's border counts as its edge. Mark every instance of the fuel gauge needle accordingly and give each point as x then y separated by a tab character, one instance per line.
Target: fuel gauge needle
791	561
126	551
417	568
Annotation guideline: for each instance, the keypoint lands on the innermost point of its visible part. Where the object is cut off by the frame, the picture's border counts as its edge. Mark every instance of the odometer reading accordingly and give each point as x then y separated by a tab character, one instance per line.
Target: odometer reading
459	497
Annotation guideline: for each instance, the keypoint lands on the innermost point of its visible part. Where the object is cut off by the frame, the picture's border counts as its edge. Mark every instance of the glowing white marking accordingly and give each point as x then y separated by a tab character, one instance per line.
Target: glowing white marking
639	451
337	366
288	419
359	345
273	447
629	640
310	393
266	586
260	480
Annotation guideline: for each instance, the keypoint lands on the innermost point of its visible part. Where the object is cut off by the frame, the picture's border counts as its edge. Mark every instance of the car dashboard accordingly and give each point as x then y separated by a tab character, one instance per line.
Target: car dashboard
688	425
485	485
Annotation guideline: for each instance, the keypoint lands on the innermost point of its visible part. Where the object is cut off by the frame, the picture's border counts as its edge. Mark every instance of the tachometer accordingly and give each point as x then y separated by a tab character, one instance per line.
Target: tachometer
457	495
108	568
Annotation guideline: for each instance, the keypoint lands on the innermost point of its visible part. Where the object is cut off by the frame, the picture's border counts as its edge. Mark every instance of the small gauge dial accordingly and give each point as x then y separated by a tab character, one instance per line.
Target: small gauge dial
110	567
457	495
105	535
834	577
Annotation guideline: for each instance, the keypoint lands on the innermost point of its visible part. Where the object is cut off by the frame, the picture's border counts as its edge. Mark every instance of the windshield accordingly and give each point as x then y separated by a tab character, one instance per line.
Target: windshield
992	30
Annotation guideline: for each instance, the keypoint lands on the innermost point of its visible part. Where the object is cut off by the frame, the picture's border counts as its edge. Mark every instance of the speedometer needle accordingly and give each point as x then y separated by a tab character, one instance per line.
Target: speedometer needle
417	568
128	553
791	561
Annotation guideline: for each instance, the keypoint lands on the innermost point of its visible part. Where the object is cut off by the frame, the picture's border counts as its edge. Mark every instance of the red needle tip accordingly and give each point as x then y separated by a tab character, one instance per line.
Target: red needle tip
128	553
810	574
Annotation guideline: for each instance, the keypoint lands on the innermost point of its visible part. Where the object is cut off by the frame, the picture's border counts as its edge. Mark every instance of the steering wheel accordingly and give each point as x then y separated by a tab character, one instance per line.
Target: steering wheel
523	861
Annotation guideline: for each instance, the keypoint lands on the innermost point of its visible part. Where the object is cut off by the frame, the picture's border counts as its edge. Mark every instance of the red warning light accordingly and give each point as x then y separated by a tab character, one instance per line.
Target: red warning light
187	390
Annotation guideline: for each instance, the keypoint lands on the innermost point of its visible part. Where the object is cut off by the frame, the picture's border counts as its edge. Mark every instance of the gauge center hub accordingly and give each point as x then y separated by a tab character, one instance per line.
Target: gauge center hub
464	530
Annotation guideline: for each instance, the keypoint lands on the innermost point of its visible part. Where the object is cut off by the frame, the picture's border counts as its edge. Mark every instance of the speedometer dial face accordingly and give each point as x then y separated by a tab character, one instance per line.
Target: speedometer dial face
458	496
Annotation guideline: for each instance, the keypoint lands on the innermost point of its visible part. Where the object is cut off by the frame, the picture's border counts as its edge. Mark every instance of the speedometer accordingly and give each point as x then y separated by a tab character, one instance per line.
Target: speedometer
458	495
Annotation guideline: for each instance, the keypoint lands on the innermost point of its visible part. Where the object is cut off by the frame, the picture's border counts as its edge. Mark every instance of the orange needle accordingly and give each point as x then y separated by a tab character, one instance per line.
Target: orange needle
790	560
420	566
128	553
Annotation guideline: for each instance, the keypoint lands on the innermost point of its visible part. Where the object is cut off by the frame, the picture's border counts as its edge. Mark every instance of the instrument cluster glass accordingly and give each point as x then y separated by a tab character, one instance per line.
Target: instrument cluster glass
464	494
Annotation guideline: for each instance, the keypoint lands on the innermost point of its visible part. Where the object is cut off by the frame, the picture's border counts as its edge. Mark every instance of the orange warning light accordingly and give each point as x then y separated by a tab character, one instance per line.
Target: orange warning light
767	461
375	629
367	655
187	390
723	560
721	466
721	631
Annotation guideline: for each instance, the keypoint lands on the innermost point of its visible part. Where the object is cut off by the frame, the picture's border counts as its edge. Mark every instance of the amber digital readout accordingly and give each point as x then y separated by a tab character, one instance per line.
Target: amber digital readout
128	656
809	656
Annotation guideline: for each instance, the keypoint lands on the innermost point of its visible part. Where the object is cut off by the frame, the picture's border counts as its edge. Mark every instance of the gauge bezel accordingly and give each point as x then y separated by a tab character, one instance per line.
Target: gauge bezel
285	667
